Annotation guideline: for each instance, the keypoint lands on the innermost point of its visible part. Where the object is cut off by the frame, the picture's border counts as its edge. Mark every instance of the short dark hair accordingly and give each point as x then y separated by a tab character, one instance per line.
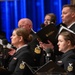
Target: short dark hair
71	6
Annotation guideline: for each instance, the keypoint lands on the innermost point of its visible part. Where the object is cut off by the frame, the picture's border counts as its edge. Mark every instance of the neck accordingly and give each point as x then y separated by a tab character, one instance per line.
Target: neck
20	45
70	48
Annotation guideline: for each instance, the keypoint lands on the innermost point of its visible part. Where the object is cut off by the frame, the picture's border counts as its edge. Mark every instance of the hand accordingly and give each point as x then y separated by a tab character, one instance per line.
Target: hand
45	46
12	51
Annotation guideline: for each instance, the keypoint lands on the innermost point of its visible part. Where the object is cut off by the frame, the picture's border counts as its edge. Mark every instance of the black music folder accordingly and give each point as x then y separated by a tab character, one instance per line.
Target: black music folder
3	71
50	68
48	33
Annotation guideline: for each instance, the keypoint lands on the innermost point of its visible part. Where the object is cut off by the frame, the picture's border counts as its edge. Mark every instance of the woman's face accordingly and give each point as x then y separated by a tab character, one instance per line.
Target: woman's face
47	20
63	44
15	39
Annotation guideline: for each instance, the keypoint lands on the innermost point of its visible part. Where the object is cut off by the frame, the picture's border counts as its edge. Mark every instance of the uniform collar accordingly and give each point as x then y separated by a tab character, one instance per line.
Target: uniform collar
68	52
71	25
21	47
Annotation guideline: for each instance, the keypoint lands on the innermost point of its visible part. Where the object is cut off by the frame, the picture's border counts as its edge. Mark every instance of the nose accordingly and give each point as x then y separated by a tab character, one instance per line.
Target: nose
11	37
45	22
58	43
61	15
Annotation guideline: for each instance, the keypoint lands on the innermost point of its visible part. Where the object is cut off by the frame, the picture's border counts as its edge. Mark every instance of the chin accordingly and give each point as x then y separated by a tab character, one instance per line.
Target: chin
63	22
12	43
59	49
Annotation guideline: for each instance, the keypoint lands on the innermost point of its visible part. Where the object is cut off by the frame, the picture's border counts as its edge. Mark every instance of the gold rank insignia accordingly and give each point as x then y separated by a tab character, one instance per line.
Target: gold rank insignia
70	67
22	65
37	50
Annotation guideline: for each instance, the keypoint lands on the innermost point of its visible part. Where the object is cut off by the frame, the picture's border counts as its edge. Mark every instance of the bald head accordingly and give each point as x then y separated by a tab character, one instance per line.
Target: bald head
25	23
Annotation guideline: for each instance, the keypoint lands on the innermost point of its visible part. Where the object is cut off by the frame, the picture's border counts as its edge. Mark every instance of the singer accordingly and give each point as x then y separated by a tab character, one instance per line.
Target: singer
50	18
20	39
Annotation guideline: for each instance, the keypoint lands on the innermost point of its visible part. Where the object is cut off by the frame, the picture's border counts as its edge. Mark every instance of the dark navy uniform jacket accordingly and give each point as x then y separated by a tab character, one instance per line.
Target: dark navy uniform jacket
36	53
72	27
68	62
21	62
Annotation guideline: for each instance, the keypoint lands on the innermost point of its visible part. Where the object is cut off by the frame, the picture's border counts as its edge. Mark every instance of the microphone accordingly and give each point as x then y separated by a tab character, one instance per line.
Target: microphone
4	42
49	53
42	25
48	23
5	49
4	52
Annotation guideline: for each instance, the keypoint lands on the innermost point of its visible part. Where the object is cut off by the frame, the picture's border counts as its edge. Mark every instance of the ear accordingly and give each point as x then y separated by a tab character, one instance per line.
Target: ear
20	38
73	14
69	42
30	26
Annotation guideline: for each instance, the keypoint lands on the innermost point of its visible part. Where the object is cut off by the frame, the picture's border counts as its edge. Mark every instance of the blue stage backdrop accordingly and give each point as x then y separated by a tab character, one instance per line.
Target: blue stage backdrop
13	10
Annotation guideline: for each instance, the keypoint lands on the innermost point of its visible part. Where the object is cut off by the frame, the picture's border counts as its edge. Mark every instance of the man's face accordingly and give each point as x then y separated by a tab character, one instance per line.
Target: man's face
66	15
25	24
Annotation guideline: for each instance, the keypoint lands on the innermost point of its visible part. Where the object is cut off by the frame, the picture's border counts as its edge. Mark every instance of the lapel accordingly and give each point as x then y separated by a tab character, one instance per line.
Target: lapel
20	52
72	27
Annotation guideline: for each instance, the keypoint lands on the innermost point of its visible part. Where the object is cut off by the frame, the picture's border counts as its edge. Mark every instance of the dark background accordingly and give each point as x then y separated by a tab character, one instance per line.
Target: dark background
11	11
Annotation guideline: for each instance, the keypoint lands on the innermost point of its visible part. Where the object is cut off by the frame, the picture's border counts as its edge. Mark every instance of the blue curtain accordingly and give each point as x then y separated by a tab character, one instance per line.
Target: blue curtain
13	10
